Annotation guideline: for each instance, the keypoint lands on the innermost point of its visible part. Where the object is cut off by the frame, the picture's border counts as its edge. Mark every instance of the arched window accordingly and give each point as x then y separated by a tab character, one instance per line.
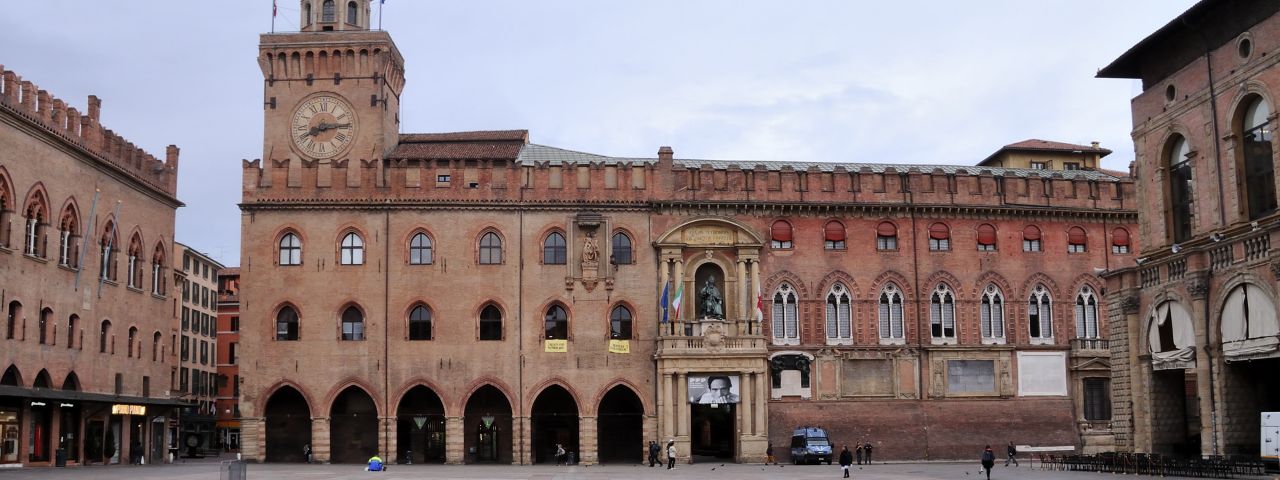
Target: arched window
103	335
991	314
1086	314
839	315
780	235
72	323
986	238
556	323
352	249
352	324
1031	239
939	237
785	318
290	249
68	241
1255	154
490	323
622	254
135	256
553	249
157	270
420	323
890	315
420	250
886	236
620	323
36	225
327	11
833	236
1077	240
352	17
46	320
490	249
1247	315
155	347
306	13
1119	241
1178	157
287	324
942	313
1040	315
133	337
108	270
12	318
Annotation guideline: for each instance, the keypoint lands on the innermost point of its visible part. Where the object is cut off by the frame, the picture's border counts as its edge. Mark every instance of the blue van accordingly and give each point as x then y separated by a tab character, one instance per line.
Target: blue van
810	445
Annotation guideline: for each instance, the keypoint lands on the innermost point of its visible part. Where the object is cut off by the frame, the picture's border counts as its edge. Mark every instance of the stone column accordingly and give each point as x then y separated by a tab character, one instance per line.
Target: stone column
587	441
681	405
666	408
755	291
387	439
747	394
744	310
524	448
1199	289
252	434
761	406
454	441
320	449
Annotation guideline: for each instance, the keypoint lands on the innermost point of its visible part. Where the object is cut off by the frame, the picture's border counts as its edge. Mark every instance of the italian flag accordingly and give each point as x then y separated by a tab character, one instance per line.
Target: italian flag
679	300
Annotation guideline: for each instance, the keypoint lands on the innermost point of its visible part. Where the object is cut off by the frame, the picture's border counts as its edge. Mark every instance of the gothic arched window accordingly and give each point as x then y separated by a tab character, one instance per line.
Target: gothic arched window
839	315
785	319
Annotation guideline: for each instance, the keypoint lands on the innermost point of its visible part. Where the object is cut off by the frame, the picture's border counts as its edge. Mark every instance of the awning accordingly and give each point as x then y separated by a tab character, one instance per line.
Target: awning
228	424
73	395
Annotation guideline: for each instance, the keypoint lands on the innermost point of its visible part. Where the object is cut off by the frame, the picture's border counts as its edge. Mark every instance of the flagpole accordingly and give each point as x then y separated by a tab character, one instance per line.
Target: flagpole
381	3
273	16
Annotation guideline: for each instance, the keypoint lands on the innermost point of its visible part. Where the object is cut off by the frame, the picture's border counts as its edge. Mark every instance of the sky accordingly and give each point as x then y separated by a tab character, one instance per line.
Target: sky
908	81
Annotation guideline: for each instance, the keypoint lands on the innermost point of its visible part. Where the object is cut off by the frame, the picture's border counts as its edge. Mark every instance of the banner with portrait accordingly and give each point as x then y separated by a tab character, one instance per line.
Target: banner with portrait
713	389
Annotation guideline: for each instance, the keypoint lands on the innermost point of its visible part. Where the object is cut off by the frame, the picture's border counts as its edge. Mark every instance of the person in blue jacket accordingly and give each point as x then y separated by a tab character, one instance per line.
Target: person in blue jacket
375	464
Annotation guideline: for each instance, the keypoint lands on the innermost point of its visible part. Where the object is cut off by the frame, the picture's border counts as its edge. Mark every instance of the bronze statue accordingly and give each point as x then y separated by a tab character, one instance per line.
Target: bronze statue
711	304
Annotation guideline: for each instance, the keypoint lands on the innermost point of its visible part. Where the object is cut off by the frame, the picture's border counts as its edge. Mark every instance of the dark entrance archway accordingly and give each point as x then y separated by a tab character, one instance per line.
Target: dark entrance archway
620	427
487	424
288	420
1175	413
353	427
420	427
1253	391
554	421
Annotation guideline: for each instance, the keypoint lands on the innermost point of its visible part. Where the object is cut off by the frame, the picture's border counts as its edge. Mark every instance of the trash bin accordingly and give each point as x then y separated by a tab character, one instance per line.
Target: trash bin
572	460
232	470
60	457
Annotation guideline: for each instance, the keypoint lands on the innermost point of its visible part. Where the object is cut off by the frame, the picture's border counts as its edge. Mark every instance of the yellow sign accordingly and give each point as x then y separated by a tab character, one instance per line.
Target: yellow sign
619	346
128	410
556	346
708	235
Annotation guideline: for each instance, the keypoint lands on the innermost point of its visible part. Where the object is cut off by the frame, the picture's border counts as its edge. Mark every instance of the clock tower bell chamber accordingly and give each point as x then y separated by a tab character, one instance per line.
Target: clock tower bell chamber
331	91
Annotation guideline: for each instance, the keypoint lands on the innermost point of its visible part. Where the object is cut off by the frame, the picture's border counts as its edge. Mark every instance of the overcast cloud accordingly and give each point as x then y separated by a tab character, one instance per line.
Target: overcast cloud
941	82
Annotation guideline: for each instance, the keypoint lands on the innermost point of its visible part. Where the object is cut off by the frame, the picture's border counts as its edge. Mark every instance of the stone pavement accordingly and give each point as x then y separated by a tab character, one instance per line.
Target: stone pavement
209	471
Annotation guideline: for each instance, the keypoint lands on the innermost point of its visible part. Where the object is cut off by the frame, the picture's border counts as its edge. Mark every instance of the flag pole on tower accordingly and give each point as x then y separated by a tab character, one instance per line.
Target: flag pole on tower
380	4
273	16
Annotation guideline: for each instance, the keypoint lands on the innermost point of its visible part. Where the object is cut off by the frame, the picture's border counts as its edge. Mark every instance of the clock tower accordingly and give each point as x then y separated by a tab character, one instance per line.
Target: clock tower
331	92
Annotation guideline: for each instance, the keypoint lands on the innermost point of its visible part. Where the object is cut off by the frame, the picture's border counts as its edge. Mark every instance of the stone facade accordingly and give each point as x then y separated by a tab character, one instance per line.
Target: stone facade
1196	334
475	297
87	344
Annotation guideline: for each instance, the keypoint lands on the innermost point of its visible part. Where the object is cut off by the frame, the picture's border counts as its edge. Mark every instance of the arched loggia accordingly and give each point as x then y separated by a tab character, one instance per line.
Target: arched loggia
620	421
353	432
288	421
420	433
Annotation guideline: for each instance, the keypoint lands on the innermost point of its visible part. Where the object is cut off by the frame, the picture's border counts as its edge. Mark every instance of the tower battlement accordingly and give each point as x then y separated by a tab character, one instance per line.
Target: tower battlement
84	130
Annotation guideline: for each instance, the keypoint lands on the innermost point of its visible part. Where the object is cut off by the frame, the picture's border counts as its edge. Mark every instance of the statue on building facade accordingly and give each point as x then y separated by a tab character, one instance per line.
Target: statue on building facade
590	250
711	304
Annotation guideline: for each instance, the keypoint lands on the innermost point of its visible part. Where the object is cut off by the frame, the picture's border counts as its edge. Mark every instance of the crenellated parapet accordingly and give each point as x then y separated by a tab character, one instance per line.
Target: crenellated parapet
316	56
478	169
24	100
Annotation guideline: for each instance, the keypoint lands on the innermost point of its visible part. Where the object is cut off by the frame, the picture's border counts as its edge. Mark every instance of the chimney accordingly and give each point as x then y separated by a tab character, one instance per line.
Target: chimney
665	153
1095	144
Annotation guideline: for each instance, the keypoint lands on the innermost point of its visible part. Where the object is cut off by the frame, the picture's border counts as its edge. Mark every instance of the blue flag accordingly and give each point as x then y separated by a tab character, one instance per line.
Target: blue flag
664	302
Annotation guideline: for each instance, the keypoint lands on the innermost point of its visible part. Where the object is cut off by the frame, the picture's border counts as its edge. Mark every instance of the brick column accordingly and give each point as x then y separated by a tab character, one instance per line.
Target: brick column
454	441
523	454
321	451
387	439
1199	289
587	441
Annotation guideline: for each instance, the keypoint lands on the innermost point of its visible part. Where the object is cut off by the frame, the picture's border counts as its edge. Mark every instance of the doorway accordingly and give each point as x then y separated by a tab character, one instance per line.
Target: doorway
288	426
488	425
712	430
620	423
354	434
554	422
1175	413
420	427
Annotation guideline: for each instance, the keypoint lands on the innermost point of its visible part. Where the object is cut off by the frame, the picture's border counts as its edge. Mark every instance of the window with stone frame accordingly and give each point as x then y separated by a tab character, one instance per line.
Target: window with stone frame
785	316
287	324
554	251
942	314
352	249
991	315
420	249
1097	399
290	250
420	323
889	315
1040	315
1086	313
621	252
556	323
839	313
490	249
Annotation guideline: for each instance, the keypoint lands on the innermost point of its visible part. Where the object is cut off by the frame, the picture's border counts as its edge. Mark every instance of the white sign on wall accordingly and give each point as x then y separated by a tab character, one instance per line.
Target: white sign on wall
1042	374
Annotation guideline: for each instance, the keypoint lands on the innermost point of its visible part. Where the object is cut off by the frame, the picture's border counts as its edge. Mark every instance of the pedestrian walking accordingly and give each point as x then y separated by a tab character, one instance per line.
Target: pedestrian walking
671	454
768	455
988	460
846	459
866	450
559	454
653	453
857	447
306	452
1013	455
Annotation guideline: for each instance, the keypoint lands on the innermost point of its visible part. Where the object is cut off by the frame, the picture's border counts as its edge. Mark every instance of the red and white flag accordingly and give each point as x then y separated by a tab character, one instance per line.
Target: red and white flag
759	304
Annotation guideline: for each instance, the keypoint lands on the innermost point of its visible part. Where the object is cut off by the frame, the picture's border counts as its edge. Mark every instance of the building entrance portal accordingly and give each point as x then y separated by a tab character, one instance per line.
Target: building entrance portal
1176	413
488	427
420	427
620	424
1253	390
711	433
288	423
555	422
353	427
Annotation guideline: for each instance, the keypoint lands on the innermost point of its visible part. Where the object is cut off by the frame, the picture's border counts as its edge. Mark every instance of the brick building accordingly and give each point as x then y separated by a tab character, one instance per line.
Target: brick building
86	231
1193	324
198	347
474	297
228	384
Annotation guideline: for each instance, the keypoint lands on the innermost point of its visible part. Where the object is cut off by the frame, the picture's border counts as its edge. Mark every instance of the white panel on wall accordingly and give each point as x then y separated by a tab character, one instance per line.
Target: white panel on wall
1042	373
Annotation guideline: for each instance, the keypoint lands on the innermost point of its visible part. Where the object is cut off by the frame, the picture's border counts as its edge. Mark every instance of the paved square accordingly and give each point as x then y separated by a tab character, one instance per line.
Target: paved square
209	471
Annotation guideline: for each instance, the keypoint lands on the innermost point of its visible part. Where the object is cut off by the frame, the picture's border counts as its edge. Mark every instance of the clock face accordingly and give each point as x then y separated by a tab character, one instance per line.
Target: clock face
323	126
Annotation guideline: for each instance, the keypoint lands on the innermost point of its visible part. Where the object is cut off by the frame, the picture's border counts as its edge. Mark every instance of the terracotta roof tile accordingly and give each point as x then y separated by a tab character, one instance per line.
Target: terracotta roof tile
1037	144
487	145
